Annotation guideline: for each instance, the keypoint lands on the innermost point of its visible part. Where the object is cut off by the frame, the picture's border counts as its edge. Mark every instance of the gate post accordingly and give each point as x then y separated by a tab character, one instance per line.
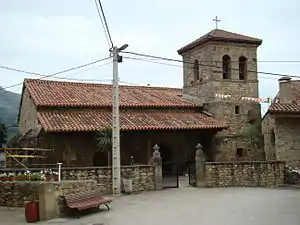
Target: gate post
200	166
156	159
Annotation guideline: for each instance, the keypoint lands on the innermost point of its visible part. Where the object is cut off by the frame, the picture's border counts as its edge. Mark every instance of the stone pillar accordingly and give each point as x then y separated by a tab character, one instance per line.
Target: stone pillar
48	207
200	166
156	160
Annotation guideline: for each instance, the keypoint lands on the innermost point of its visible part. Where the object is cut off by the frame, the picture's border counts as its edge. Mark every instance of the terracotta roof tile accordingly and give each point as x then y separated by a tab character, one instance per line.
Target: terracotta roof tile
92	120
69	94
220	35
293	107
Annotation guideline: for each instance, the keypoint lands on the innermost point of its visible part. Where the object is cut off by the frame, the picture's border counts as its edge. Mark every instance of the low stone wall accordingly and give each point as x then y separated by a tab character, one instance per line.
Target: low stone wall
16	194
142	176
249	174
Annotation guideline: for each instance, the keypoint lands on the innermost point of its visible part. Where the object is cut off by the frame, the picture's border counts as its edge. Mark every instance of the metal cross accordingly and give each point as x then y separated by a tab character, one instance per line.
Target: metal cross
217	21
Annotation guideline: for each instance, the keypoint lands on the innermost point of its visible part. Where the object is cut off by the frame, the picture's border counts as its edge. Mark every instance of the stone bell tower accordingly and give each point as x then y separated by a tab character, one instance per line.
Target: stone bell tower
225	63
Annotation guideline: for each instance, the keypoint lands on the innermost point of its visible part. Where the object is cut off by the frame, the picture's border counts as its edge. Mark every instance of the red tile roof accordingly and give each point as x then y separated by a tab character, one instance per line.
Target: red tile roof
293	107
68	94
220	35
93	120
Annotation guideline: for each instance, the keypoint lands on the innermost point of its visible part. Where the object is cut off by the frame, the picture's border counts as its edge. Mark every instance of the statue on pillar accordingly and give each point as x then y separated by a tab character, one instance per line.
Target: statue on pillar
200	166
157	161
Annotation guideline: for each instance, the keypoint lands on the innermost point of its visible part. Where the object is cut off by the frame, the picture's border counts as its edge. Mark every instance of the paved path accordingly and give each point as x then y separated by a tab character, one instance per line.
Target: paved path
214	206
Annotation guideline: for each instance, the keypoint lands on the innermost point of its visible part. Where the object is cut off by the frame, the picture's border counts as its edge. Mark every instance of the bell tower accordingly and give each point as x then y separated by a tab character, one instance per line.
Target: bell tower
225	63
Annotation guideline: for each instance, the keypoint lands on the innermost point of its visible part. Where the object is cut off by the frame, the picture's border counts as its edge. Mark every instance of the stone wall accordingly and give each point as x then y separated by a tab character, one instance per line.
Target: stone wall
16	194
268	132
28	113
248	174
282	139
287	132
142	175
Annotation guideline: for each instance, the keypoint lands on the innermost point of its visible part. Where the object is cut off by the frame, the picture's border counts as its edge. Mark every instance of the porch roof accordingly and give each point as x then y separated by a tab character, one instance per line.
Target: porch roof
75	121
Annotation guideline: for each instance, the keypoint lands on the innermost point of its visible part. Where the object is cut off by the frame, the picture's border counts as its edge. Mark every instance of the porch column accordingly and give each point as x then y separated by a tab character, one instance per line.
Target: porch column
200	166
156	159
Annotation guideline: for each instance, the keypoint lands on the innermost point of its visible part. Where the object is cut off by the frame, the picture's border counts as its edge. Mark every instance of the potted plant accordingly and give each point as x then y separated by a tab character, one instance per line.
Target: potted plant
11	176
3	177
21	177
48	174
55	175
27	175
36	176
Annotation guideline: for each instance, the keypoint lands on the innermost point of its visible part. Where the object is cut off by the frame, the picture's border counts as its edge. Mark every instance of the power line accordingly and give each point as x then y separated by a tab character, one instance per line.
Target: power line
180	66
19	70
60	72
205	65
105	22
83	71
103	25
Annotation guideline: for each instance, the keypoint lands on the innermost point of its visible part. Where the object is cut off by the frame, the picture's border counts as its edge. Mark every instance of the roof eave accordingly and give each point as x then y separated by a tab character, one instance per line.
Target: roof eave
217	128
195	44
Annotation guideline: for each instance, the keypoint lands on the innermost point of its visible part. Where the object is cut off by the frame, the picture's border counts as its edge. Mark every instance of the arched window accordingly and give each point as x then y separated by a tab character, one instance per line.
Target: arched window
226	66
196	70
242	68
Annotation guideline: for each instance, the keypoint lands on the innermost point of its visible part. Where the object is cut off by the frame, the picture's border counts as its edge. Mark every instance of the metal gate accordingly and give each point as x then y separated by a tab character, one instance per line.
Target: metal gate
170	175
192	174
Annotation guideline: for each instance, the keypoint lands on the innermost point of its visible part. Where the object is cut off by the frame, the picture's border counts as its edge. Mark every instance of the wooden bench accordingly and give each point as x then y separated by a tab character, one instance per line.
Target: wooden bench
86	200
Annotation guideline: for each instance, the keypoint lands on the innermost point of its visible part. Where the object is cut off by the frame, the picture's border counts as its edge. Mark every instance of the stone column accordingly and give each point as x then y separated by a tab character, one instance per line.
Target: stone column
156	160
48	208
200	166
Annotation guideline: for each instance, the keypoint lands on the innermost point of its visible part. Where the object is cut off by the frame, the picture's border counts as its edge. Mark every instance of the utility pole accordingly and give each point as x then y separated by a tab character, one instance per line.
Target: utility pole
116	160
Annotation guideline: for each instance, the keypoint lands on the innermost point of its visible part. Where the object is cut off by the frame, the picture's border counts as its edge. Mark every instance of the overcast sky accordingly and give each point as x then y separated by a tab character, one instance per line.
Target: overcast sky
51	35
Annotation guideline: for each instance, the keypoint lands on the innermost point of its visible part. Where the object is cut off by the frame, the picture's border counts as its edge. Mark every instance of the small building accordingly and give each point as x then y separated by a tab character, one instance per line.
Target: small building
281	124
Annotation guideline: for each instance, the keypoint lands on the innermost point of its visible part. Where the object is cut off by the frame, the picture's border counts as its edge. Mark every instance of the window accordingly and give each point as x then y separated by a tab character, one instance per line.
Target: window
226	67
240	152
237	109
273	137
196	70
242	68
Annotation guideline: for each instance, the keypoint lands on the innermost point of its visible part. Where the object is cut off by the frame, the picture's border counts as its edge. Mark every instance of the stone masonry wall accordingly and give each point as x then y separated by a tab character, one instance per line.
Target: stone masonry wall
16	194
268	127
28	113
287	142
248	174
142	176
212	83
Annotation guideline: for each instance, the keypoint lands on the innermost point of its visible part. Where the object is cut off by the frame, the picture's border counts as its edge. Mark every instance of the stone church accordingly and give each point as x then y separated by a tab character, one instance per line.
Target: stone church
69	114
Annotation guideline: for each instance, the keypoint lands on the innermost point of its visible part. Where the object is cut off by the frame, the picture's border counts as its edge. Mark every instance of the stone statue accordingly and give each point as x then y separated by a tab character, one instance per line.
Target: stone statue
156	155
200	156
156	159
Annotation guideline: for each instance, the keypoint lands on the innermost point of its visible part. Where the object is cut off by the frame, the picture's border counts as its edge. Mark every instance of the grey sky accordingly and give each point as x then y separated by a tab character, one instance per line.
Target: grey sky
51	35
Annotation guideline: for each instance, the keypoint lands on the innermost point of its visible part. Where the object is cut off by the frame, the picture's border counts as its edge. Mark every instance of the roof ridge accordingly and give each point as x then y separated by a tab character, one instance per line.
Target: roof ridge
98	84
243	35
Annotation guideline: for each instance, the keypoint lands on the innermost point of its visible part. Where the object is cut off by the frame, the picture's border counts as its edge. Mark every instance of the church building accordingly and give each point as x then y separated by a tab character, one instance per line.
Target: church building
69	114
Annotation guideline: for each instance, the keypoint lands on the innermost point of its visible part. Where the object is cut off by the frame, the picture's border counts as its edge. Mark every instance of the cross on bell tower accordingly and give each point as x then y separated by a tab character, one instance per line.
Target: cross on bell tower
217	21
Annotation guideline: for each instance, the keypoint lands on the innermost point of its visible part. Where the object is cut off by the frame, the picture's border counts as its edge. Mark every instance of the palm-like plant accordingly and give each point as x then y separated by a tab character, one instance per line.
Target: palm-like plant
104	141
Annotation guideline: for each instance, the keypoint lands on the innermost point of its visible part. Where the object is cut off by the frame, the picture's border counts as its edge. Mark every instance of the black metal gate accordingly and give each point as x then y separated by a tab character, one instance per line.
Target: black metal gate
170	175
192	174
